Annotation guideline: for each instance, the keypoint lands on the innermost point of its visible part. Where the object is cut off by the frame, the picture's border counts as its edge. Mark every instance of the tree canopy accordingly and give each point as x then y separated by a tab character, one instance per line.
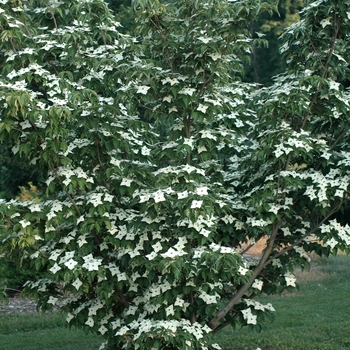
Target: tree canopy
163	168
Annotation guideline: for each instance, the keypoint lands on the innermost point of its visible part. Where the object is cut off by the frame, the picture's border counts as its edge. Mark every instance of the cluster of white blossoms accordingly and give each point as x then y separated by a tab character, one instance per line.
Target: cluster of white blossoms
259	306
68	173
258	222
334	181
293	143
318	185
171	327
290	279
251	318
91	263
159	195
257	284
342	232
209	298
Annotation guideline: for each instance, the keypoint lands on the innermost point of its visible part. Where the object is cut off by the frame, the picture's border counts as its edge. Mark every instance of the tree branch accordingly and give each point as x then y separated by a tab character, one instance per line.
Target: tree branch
214	322
325	69
52	14
290	247
121	297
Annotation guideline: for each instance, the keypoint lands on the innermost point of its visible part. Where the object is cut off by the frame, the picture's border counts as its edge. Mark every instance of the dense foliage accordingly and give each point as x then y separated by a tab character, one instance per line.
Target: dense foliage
264	63
163	168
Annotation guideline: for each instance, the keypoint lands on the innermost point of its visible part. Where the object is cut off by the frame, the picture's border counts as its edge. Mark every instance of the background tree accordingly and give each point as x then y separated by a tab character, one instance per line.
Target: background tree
266	61
124	13
162	165
14	173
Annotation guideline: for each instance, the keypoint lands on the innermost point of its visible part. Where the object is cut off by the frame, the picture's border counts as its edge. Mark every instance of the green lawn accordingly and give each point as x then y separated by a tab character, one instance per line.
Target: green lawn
42	332
317	317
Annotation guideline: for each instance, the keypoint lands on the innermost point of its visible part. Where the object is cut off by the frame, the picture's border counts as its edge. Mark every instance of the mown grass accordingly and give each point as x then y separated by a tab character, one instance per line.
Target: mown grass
317	317
42	332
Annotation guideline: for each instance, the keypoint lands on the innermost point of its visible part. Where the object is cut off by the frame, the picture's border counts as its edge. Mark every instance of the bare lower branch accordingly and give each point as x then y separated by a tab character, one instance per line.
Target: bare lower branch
214	323
247	249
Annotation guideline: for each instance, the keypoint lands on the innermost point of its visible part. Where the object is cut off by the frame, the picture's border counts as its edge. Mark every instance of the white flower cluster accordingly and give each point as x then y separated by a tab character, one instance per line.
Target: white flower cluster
343	232
77	142
172	327
209	298
290	279
55	207
258	222
247	313
259	306
69	172
91	263
257	284
180	169
334	181
249	316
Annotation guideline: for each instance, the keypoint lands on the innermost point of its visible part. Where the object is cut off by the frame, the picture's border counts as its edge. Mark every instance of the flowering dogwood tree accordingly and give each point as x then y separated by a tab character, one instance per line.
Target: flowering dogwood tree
163	168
